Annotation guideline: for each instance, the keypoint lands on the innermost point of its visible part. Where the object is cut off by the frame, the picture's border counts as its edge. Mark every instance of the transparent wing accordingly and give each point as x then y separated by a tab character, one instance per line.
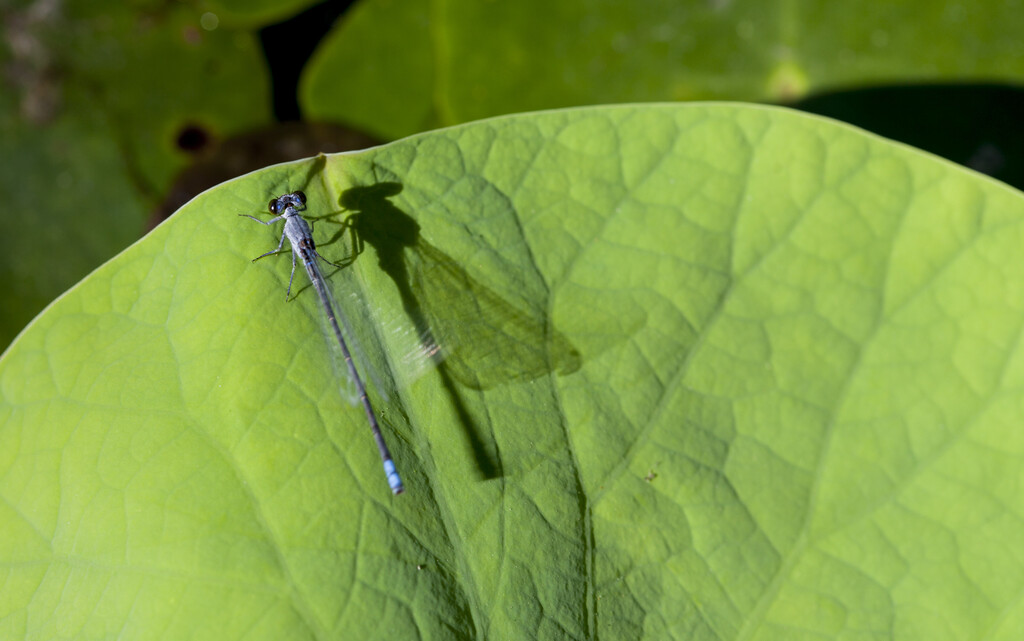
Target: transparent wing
370	328
346	386
413	350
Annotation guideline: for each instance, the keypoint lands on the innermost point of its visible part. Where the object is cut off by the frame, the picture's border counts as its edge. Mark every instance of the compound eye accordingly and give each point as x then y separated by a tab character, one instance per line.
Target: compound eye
274	206
301	196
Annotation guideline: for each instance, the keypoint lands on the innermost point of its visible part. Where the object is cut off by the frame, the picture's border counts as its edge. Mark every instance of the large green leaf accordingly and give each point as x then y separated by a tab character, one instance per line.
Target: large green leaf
763	381
395	68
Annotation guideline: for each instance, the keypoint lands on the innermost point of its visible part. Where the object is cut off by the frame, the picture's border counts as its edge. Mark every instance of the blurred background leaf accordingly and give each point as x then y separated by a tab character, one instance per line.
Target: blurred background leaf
95	94
420	65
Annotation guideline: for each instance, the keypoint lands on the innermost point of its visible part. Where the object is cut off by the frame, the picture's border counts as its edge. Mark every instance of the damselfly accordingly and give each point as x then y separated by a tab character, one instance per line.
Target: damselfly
299	234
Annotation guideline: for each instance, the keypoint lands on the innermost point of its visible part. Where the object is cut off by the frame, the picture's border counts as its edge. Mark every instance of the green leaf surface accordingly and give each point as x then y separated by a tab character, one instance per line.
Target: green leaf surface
762	379
395	68
94	95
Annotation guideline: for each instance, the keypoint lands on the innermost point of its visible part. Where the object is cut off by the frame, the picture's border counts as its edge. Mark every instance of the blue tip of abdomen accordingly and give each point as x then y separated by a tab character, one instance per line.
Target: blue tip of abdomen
394	480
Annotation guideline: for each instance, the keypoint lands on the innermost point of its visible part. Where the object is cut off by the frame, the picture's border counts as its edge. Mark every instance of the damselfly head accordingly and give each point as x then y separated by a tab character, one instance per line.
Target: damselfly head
296	199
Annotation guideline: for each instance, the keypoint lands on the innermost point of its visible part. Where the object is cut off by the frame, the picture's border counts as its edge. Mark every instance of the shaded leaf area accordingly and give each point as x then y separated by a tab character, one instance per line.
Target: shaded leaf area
398	68
779	398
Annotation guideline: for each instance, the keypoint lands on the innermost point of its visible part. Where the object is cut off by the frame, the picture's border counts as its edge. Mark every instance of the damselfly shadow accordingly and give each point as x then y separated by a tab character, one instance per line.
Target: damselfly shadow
484	339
